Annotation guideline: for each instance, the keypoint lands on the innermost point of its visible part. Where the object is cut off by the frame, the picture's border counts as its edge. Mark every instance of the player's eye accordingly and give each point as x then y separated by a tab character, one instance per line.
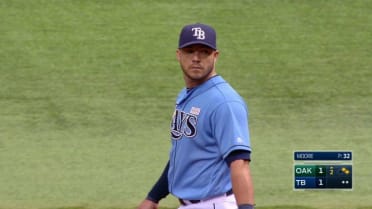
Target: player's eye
205	52
188	50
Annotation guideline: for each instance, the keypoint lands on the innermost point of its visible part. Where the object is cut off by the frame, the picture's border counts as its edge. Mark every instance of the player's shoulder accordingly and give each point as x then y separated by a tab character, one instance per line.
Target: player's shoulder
224	90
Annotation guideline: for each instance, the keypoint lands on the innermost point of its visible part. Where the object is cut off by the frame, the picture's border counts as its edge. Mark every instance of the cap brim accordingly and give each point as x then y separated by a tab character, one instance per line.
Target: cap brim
197	42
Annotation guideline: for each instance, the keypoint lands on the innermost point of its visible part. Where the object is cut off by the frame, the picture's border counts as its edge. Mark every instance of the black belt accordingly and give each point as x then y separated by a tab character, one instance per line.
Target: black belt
189	202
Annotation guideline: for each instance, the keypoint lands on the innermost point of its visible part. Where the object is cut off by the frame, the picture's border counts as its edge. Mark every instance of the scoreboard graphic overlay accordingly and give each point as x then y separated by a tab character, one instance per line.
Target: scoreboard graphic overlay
320	170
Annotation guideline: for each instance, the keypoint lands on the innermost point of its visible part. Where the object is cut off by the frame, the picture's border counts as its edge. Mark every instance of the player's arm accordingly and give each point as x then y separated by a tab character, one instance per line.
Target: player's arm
241	178
158	191
147	204
235	123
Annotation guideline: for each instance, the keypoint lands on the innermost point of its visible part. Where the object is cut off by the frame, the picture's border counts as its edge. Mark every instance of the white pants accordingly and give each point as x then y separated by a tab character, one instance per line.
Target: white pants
221	202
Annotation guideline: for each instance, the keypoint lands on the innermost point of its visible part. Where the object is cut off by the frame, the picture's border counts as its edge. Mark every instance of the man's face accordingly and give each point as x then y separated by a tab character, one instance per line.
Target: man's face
197	63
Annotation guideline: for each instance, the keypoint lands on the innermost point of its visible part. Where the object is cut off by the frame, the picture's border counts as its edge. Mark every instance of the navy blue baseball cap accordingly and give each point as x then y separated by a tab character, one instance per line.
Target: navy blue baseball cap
197	34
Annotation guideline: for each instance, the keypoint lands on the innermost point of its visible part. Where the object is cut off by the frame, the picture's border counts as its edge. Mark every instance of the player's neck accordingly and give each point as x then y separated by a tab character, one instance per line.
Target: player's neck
192	83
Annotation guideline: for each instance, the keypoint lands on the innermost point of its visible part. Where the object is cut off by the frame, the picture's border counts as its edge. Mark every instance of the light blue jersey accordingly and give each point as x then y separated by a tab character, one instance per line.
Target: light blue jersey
209	122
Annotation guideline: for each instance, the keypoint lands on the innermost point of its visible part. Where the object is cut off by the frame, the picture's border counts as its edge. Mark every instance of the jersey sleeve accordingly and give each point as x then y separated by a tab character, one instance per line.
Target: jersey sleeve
160	189
230	122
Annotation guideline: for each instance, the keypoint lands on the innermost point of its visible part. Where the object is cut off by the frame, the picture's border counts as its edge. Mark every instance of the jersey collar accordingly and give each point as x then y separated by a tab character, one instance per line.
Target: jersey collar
190	93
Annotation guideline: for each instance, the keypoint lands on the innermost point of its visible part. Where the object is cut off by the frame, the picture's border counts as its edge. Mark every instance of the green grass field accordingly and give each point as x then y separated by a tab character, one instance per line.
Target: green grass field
88	87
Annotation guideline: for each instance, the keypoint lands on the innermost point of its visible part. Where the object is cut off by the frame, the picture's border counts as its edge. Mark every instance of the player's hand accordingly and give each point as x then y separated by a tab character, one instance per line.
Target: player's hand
147	204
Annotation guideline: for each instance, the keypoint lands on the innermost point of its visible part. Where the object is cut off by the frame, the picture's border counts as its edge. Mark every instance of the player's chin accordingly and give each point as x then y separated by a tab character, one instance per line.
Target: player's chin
196	74
196	69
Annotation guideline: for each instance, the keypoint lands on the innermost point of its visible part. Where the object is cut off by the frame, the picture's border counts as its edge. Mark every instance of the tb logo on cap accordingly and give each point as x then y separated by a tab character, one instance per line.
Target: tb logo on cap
198	33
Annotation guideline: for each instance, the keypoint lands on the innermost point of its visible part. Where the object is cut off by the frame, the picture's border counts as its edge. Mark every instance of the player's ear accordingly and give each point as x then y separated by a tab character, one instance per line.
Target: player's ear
178	54
216	53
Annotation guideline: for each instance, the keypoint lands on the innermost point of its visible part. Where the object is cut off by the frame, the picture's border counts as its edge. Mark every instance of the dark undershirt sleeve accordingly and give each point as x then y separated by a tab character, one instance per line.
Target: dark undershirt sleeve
160	189
238	155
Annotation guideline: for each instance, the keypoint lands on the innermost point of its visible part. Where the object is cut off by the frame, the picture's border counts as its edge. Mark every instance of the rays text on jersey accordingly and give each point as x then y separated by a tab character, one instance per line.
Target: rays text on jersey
183	124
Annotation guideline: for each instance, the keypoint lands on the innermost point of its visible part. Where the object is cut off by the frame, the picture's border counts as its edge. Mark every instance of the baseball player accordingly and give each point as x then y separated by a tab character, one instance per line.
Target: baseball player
208	165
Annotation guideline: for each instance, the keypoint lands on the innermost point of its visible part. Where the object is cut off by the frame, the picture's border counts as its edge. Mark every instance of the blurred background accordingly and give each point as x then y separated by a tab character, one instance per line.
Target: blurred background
88	90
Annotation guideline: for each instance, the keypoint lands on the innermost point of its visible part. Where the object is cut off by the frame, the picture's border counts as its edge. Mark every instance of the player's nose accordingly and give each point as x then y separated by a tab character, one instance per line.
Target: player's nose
196	56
